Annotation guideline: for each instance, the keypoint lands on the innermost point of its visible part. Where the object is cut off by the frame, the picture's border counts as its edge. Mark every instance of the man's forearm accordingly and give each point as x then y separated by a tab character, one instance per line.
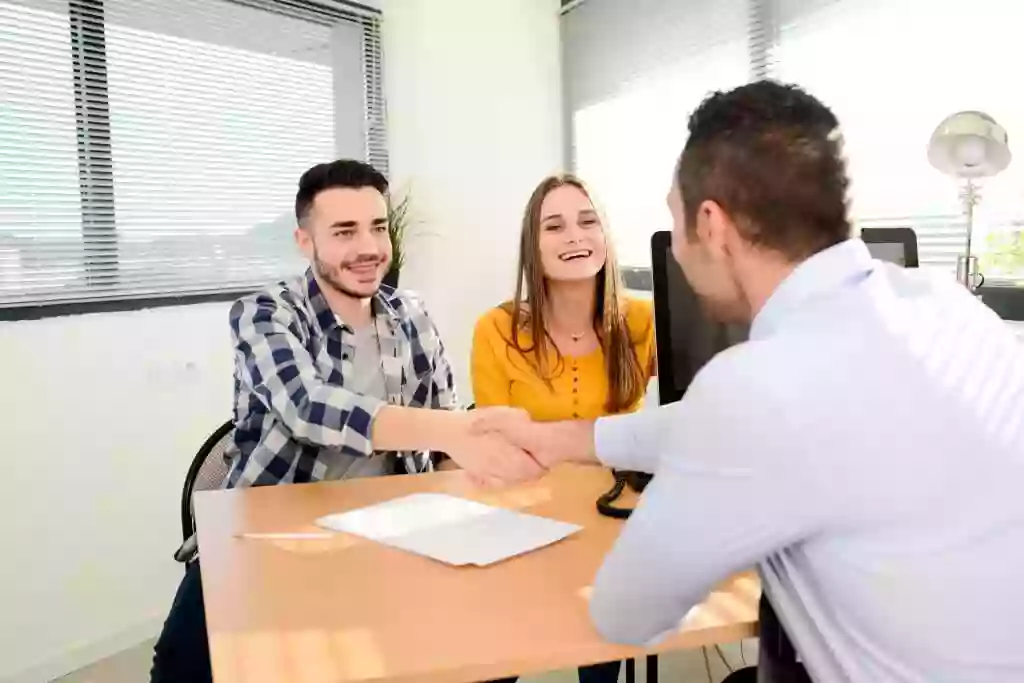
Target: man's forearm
398	428
570	441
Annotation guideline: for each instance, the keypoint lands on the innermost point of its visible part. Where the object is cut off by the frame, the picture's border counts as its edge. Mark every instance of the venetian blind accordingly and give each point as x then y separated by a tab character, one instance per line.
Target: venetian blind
151	148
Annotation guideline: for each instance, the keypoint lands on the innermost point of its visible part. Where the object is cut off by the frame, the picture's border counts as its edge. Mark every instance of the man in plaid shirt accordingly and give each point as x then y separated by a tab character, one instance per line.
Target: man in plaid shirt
332	372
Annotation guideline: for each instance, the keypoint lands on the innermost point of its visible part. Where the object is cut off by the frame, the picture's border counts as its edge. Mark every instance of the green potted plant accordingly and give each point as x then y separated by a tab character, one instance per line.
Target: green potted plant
399	221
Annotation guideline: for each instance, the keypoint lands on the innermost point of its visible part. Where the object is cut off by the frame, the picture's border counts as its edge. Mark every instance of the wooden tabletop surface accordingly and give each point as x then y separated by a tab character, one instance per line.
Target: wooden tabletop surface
346	609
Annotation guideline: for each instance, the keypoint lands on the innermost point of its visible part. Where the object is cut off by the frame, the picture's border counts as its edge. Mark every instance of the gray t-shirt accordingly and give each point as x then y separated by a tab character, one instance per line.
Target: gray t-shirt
367	379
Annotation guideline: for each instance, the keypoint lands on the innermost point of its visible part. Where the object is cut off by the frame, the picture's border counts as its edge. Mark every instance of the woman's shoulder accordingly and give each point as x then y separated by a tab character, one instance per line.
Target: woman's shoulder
496	321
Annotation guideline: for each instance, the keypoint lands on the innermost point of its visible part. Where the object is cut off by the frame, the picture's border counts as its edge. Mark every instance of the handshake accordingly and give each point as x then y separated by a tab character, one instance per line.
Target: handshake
501	445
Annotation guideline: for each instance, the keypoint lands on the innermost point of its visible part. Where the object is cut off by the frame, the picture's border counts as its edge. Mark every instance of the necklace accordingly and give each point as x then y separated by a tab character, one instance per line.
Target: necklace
577	336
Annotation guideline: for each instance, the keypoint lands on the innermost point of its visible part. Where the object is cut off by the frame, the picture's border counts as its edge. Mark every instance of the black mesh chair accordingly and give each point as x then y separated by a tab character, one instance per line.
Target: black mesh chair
206	472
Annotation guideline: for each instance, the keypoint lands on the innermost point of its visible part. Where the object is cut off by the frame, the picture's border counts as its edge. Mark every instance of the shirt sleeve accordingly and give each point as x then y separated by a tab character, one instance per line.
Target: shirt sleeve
721	500
273	364
491	384
632	441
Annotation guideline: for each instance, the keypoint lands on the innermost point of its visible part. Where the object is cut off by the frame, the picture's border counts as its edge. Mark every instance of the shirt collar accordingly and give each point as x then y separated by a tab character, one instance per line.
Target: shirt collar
823	272
383	305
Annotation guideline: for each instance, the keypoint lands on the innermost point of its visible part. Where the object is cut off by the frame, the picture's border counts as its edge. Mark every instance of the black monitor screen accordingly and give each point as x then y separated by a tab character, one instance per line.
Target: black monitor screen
695	338
893	252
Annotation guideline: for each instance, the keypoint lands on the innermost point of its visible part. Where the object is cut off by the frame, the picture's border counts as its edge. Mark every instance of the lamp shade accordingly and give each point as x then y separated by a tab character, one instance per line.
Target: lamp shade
969	144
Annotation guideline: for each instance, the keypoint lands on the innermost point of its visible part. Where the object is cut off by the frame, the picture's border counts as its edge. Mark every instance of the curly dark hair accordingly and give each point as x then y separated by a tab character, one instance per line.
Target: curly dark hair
771	156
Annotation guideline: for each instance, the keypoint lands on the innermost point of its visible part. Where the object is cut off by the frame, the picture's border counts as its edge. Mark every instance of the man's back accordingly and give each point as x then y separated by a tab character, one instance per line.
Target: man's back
905	398
865	447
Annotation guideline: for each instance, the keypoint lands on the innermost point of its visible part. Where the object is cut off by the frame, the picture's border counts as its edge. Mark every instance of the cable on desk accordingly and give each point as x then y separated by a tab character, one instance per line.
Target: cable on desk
634	480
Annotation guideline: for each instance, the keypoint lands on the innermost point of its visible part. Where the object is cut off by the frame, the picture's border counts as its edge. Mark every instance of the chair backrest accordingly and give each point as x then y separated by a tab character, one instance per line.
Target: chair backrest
207	471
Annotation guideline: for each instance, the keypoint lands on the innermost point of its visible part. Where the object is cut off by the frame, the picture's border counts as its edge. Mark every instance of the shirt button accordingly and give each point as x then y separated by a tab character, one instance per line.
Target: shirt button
576	416
344	356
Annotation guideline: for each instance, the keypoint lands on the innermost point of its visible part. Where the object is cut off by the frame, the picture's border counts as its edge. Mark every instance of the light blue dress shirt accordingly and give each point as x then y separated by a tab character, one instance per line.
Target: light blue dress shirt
866	450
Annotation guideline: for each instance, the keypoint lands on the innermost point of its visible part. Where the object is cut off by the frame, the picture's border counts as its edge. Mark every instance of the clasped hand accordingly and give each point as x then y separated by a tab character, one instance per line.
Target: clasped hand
500	446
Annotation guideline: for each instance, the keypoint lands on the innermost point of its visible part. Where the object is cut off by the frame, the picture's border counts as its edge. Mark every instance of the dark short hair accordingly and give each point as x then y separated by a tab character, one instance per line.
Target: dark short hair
771	156
341	173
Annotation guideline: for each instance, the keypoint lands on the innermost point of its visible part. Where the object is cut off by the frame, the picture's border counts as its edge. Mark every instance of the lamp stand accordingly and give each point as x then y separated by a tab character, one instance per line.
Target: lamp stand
967	272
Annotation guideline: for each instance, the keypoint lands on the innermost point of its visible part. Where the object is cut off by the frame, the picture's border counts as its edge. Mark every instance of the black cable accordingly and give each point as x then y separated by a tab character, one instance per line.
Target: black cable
707	664
722	656
604	503
635	480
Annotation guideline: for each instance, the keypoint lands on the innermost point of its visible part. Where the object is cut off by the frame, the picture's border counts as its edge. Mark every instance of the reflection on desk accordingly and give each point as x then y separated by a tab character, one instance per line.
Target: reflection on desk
347	609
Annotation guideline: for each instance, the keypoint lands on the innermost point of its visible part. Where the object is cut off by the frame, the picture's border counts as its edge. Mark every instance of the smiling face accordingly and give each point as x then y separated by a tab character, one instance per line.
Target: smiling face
570	238
345	238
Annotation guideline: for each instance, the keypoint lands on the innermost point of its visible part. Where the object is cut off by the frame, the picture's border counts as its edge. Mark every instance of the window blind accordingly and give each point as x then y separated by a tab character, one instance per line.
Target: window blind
634	71
924	61
151	148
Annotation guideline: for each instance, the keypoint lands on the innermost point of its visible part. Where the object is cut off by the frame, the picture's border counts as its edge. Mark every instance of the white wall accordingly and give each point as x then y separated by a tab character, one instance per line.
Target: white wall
101	414
474	121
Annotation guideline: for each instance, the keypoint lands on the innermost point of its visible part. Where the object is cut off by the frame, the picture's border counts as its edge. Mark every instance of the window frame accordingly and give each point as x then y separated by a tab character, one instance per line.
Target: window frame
87	26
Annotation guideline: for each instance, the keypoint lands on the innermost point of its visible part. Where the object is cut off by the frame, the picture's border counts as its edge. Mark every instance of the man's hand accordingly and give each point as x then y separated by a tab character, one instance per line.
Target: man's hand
550	443
513	425
489	457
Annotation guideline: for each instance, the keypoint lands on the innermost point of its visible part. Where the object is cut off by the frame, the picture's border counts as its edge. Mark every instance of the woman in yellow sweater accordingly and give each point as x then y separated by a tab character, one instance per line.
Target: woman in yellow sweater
569	345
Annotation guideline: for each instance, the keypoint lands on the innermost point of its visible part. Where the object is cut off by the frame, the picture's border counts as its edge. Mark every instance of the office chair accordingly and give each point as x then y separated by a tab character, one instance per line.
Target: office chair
207	471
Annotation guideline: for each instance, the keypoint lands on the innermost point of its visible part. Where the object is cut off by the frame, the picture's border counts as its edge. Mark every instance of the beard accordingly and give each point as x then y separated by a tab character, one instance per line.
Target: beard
331	275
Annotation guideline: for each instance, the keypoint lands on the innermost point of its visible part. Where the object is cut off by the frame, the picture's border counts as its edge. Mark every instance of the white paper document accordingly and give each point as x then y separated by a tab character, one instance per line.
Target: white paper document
449	529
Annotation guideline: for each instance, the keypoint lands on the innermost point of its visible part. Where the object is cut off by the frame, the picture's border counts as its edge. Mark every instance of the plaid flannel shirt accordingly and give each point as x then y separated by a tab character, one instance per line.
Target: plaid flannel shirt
292	354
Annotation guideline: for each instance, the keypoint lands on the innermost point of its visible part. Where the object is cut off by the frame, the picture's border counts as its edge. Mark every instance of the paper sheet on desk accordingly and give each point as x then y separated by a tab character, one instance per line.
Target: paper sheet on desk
449	529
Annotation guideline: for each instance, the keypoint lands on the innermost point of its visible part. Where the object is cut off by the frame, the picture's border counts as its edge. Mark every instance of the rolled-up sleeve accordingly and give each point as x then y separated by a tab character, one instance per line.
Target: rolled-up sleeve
720	501
275	366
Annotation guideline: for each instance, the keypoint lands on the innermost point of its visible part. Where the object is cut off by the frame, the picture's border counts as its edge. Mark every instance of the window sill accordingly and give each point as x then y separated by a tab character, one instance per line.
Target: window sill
39	312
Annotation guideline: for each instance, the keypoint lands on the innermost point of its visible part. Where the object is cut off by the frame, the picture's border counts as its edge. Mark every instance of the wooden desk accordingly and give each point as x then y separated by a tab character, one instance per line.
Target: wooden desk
345	609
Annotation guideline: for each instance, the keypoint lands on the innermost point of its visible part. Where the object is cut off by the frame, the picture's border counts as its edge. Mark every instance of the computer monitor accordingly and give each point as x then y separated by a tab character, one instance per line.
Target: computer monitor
897	245
685	336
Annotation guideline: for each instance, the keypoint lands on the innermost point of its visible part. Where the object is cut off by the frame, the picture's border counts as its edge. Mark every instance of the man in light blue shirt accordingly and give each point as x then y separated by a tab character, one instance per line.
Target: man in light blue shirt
865	448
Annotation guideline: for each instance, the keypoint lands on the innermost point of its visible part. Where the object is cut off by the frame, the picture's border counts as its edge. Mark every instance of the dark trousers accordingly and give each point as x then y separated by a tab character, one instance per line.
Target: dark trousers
777	658
182	653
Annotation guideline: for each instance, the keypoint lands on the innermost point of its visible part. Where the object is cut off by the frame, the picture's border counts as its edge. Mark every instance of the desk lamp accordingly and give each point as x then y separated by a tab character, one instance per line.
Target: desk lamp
968	146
